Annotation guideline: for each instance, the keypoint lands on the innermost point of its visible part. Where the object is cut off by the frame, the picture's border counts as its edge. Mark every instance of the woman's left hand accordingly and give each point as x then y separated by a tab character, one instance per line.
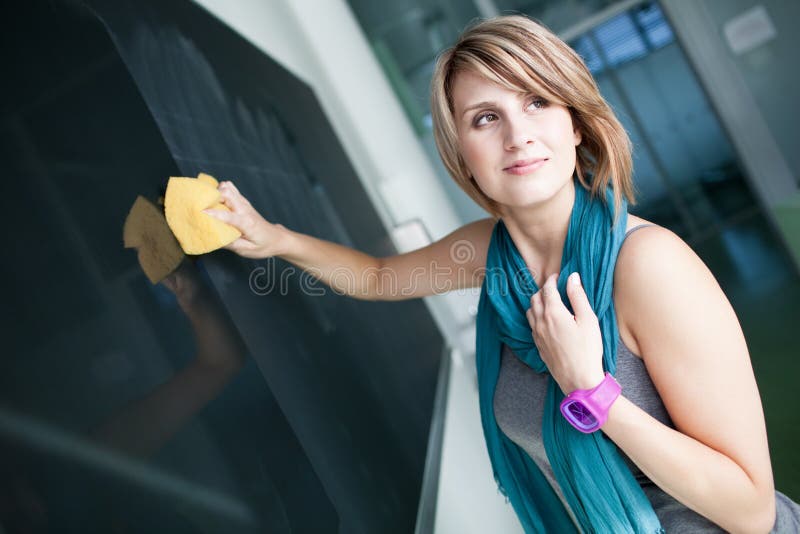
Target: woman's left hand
570	346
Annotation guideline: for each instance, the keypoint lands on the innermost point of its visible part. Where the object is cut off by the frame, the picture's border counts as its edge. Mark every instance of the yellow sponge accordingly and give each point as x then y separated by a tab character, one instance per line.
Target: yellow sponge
146	230
208	179
196	231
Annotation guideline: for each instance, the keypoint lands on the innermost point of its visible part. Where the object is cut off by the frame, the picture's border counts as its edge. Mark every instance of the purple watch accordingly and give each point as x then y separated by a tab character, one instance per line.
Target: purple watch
587	409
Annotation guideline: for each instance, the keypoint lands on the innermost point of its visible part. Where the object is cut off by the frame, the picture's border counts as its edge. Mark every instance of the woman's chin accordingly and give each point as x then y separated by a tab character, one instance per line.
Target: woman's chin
530	200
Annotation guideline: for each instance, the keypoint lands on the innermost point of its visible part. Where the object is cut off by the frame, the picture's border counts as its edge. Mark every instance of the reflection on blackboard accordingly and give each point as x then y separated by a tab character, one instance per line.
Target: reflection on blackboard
143	426
195	405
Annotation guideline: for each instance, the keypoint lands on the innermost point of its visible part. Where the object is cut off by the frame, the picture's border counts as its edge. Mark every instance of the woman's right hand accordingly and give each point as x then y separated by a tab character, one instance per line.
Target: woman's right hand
260	238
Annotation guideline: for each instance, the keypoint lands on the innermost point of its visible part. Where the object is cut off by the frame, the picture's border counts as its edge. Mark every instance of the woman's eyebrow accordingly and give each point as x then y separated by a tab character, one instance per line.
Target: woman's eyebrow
483	104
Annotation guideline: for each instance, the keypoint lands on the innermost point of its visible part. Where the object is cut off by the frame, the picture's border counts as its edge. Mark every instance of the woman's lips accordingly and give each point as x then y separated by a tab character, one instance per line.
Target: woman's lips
526	166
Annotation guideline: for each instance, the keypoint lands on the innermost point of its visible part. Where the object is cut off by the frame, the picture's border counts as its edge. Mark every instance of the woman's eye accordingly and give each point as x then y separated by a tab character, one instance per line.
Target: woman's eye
537	103
485	118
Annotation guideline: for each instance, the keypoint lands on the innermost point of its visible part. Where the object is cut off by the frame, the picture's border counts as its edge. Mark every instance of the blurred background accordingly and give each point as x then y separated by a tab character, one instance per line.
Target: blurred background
240	396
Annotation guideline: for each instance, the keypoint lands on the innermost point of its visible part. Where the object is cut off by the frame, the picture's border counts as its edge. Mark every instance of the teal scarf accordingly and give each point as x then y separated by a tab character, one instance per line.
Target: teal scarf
597	484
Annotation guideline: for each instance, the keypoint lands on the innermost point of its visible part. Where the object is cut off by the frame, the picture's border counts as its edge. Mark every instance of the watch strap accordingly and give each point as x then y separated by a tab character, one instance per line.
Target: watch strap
597	401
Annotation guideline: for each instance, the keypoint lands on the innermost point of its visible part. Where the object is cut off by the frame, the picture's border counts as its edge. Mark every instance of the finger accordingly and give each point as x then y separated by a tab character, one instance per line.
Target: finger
227	199
578	299
534	324
550	296
239	245
228	217
224	198
169	282
231	199
530	317
536	305
227	185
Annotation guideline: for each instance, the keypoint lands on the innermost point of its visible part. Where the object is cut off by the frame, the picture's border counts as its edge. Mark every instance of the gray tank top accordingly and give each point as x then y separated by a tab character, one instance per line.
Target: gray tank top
518	406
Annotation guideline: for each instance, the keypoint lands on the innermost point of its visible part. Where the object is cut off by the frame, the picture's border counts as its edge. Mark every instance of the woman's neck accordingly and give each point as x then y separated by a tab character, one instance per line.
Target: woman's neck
539	232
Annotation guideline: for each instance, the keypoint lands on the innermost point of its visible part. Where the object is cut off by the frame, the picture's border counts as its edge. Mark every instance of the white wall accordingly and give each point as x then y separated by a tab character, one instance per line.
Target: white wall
468	500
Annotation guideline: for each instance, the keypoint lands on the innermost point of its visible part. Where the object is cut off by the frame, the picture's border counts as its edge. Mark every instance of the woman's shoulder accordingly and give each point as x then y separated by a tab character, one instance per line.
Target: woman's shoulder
649	250
653	265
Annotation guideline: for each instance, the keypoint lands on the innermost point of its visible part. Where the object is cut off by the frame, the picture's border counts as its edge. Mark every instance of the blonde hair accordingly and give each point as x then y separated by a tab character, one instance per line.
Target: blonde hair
522	55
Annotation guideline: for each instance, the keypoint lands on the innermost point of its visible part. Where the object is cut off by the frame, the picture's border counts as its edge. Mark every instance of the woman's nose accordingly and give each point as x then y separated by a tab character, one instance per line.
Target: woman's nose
517	134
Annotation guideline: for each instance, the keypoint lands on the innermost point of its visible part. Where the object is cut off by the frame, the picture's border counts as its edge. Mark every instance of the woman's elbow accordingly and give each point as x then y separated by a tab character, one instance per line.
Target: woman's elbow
762	518
768	516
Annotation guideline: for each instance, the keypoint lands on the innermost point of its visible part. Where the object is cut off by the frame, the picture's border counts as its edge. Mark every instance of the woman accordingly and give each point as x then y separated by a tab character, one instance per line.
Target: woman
522	128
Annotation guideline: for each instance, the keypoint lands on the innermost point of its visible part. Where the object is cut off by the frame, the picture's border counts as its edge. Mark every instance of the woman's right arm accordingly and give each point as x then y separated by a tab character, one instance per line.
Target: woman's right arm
454	262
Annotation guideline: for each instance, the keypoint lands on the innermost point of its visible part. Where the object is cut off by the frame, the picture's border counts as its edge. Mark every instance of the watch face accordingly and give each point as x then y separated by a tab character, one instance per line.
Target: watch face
579	416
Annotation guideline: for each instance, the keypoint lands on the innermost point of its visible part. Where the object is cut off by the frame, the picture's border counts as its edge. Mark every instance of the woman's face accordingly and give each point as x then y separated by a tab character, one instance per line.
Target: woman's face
519	148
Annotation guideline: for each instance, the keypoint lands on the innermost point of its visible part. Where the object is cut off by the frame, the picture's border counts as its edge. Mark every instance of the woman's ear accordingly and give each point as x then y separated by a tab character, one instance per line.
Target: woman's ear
576	132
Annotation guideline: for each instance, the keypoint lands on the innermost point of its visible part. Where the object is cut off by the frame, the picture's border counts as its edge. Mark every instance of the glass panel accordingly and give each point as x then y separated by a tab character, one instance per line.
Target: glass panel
686	170
689	180
620	40
766	69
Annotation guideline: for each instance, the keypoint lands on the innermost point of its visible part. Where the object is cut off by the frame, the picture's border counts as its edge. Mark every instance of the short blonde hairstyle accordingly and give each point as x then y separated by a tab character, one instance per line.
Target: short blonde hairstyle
522	55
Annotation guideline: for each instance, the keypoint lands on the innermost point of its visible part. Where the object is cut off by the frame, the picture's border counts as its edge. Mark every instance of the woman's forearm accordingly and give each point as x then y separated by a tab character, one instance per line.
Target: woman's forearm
146	424
701	478
345	270
216	338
